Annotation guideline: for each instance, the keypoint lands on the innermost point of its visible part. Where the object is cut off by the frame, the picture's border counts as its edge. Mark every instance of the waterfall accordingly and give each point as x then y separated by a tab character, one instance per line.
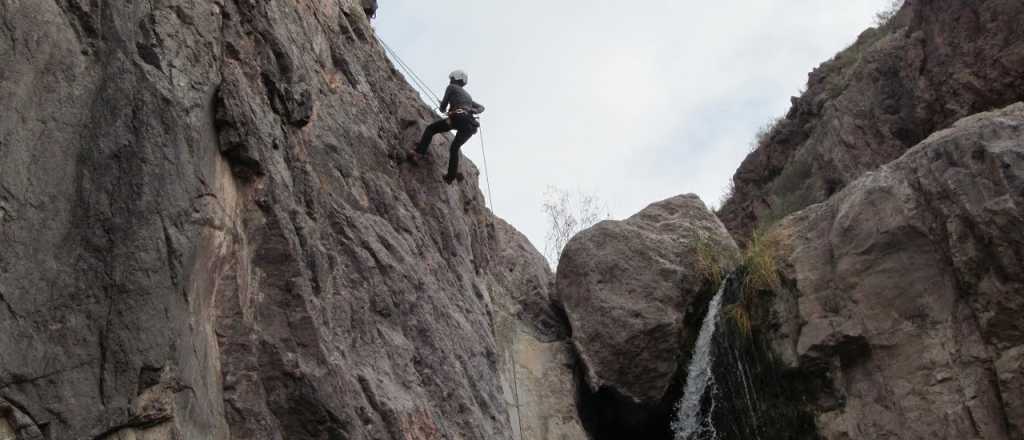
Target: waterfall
689	423
736	389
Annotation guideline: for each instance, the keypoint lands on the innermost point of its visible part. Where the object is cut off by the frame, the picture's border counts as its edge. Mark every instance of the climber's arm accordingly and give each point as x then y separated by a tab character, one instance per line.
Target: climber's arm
446	100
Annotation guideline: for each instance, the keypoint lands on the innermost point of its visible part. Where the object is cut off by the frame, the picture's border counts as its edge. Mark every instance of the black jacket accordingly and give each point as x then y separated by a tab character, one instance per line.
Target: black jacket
458	98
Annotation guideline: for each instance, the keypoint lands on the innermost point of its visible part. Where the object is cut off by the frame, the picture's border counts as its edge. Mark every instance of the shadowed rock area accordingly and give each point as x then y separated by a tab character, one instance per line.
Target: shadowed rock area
754	396
625	286
205	236
906	291
937	61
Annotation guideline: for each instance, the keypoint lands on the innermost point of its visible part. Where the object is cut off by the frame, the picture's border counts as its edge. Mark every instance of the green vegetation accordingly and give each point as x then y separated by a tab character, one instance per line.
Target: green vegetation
760	261
739	313
759	270
710	261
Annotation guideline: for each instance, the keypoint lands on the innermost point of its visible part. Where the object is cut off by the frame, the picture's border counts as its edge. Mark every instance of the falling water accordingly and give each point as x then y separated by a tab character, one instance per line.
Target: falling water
699	379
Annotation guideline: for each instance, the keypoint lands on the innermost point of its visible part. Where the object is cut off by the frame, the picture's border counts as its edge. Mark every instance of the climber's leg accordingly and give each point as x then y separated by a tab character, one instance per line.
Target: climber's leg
438	127
461	137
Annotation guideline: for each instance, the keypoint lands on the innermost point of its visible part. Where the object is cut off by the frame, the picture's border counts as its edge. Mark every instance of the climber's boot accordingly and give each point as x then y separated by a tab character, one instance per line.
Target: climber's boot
449	178
414	157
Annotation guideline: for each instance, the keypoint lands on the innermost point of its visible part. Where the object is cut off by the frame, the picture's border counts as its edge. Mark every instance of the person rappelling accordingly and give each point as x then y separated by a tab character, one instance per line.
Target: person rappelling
461	113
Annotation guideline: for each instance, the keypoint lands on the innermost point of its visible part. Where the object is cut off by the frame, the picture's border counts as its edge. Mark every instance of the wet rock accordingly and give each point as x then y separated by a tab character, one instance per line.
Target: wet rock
907	290
626	285
747	393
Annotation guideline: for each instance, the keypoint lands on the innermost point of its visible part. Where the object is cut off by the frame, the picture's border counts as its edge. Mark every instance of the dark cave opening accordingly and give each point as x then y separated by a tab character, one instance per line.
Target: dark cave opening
608	415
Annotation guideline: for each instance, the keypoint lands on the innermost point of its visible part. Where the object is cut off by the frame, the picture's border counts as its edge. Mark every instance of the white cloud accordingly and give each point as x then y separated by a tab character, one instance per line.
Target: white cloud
634	101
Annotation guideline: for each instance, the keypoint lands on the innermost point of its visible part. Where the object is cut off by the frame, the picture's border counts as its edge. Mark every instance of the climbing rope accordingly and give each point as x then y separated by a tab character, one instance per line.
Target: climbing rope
487	173
418	82
515	384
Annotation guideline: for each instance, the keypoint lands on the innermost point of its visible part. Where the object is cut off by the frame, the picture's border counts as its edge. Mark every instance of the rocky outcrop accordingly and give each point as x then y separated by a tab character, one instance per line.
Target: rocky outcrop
907	291
625	286
536	357
205	235
936	62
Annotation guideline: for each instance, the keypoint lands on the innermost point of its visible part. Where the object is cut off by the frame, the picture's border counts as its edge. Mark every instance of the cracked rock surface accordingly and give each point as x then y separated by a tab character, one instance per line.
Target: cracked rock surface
907	291
936	62
205	235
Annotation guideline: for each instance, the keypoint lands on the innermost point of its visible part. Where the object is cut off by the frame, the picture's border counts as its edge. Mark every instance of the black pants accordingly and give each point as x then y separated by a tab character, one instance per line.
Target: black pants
466	126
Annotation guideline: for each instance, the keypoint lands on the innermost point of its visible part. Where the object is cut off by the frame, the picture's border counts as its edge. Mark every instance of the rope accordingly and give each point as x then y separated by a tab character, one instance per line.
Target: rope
418	82
515	384
487	173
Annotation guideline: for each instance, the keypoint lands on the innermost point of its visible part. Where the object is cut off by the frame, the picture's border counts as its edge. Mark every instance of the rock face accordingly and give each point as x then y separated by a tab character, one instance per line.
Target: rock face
936	62
205	236
536	358
908	290
625	286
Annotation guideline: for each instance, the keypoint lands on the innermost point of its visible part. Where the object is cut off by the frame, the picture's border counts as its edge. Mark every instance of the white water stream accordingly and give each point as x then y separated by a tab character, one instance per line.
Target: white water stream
690	423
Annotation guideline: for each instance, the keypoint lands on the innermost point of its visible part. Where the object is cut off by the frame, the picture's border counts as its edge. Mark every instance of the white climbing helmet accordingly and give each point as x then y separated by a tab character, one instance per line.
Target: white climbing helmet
459	75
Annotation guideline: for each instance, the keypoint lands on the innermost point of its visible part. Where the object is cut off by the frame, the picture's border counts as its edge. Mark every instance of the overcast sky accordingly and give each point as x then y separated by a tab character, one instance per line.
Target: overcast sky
631	101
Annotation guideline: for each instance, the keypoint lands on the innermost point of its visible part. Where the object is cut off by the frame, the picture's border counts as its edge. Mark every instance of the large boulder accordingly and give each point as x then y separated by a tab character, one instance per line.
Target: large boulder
626	285
909	290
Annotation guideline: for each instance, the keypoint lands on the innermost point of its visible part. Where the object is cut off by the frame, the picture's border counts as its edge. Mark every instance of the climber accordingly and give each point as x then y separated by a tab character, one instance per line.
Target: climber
461	117
370	8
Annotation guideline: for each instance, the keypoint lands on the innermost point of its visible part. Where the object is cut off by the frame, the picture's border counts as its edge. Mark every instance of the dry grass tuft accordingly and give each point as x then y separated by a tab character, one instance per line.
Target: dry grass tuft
760	274
710	261
761	261
740	315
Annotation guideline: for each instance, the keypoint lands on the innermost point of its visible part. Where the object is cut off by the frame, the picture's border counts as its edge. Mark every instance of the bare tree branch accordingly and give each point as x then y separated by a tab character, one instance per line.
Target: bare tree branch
568	214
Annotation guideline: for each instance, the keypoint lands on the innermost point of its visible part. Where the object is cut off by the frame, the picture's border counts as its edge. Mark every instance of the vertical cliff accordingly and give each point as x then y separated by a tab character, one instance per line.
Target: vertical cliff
903	293
900	251
205	235
937	61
